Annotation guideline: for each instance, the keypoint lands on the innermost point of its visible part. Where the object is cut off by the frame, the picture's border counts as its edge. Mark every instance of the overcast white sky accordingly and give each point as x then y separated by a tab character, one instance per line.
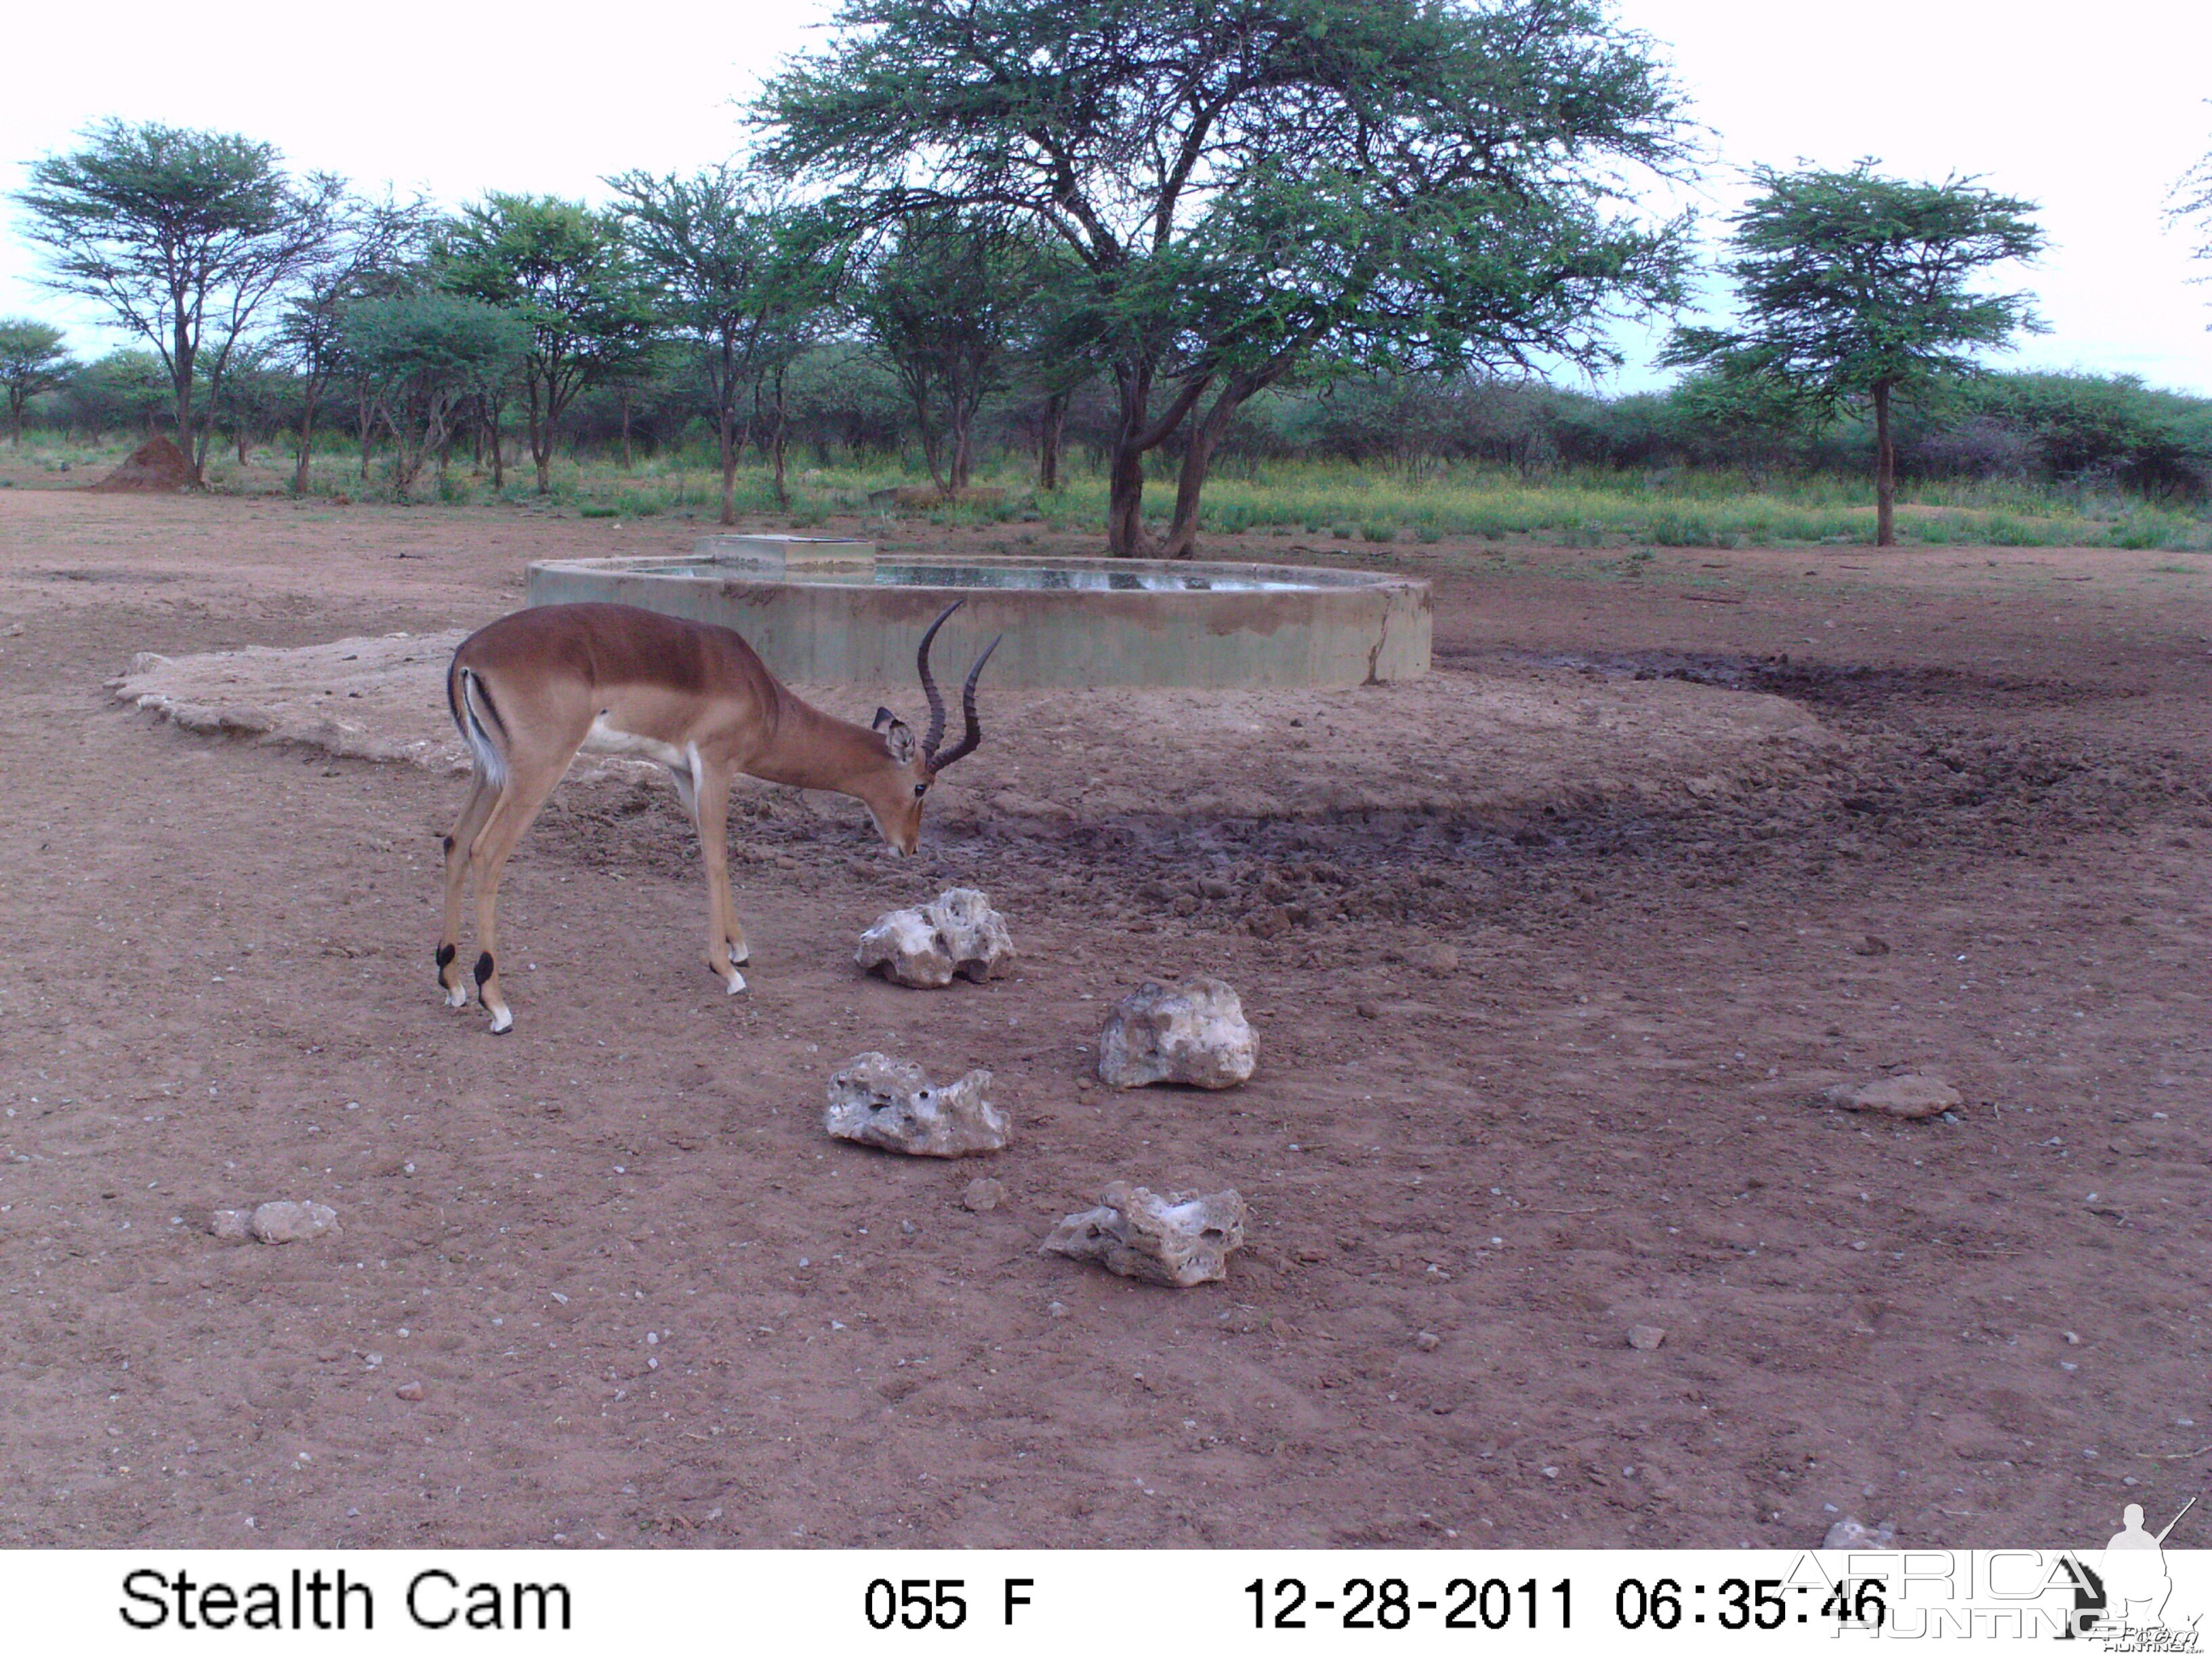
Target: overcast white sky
2093	112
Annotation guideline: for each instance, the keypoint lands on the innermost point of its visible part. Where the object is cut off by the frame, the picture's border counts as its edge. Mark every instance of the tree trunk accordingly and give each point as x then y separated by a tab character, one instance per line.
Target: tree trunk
183	350
494	412
1050	428
367	433
306	446
627	463
242	437
1133	437
541	450
1205	437
1125	469
1125	502
729	457
1885	471
961	459
782	495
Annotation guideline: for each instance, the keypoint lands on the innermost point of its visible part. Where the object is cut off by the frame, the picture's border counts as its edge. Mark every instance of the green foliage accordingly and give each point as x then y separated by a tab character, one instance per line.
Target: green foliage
33	360
421	357
2084	428
564	271
946	302
122	391
182	235
744	278
1850	283
1247	186
1855	287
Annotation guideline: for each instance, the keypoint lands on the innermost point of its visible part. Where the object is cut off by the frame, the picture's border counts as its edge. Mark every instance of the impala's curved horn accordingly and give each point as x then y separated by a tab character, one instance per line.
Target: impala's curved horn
973	735
936	733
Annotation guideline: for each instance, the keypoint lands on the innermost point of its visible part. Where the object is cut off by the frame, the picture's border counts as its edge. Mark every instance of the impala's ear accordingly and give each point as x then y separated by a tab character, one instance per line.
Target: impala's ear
882	715
900	738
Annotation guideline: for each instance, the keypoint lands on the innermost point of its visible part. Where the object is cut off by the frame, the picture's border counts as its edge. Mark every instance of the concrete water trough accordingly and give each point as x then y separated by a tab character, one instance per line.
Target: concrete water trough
822	610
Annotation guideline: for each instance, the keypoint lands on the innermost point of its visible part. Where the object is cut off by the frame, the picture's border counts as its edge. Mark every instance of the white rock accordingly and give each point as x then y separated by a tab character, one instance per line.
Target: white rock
1182	1240
1909	1095
956	932
1645	1338
881	1102
904	944
1849	1534
984	1194
1197	1035
229	1223
285	1221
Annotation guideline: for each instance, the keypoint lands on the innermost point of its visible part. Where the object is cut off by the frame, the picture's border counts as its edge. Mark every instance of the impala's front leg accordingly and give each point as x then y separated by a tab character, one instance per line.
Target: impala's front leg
725	940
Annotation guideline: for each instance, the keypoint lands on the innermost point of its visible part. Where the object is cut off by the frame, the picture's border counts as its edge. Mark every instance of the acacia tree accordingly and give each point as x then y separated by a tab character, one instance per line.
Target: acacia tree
423	357
1855	288
743	276
254	398
33	360
376	251
1252	187
944	304
563	271
183	236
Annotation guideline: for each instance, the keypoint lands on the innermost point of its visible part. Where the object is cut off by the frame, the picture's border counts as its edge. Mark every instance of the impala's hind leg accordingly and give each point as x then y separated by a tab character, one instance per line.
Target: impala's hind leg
725	940
529	781
481	796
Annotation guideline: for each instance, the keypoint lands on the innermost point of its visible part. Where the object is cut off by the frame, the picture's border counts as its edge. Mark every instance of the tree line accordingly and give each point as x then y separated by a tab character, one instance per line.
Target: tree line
1170	224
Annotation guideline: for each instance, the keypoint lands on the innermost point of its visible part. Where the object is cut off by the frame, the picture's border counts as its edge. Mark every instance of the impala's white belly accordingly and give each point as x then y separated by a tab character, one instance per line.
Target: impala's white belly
606	739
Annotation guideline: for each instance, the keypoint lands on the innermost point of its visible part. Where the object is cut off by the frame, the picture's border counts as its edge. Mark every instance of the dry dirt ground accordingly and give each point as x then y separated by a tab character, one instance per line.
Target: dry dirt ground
1956	821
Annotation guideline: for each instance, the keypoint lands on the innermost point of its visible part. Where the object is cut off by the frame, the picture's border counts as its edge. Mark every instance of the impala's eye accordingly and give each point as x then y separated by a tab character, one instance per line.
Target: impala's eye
920	790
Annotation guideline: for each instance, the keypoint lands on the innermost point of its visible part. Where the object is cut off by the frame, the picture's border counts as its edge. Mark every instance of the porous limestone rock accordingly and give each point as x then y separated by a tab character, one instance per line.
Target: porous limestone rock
1909	1095
881	1102
286	1221
1197	1035
956	932
230	1223
1182	1240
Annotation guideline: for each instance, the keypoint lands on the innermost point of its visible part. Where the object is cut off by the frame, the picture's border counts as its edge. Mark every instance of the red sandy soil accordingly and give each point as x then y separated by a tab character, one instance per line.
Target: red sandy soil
218	989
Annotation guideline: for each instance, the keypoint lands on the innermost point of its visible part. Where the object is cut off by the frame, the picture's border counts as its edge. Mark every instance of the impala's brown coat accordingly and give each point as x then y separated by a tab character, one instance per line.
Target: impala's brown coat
532	690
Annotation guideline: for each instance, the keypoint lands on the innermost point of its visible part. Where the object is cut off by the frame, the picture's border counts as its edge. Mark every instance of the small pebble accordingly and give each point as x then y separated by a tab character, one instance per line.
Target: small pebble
1056	1310
1428	1341
409	1391
984	1193
1645	1338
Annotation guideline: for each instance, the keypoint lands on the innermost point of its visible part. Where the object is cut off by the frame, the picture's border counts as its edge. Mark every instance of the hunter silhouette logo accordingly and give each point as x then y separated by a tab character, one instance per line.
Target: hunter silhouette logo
2124	1596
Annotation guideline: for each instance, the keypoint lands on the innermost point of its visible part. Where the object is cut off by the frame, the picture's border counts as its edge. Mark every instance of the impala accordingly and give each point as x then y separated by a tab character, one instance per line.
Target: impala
532	690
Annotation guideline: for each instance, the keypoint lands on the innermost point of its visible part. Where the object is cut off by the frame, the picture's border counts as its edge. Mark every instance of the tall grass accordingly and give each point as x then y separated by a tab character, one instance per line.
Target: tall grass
1338	504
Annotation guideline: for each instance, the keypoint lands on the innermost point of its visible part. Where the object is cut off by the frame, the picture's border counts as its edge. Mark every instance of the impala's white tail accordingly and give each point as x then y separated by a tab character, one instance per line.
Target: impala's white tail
470	702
